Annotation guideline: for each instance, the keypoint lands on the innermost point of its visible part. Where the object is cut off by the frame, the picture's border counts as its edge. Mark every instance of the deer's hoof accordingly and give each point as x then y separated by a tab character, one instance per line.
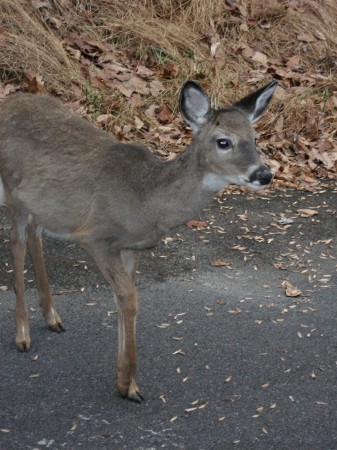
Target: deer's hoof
53	321
22	337
57	327
23	345
131	393
135	397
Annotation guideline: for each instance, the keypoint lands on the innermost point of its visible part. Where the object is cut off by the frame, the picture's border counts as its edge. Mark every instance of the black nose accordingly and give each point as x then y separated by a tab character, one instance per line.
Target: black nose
262	175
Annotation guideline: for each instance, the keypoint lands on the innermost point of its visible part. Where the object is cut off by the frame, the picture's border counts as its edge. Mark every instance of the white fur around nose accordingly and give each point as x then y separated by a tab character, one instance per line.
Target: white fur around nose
2	192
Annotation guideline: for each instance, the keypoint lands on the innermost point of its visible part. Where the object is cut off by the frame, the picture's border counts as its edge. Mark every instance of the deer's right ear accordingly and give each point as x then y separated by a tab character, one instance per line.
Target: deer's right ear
194	105
255	104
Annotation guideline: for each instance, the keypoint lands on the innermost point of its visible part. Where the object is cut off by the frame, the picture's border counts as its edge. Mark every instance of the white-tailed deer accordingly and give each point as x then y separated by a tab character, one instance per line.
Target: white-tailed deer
61	174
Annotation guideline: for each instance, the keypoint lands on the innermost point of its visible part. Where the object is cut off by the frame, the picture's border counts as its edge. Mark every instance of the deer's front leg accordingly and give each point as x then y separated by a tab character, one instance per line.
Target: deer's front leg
127	305
119	271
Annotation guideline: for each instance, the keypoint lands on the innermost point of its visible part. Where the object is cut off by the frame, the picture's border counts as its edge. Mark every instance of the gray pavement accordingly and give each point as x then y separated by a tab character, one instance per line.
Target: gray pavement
226	359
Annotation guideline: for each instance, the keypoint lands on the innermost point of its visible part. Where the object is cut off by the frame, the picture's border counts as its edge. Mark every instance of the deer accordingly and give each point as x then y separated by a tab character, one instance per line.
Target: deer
61	174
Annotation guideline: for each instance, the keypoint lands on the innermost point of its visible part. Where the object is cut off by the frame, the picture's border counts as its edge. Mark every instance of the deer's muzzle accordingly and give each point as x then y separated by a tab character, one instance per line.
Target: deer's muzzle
262	176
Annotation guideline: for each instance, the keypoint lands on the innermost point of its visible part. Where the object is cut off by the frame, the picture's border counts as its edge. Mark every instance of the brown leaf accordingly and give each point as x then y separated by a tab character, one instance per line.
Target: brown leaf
306	37
307	212
104	119
247	51
293	61
85	43
220	263
144	72
156	87
320	35
134	84
236	310
200	224
164	114
322	155
291	291
138	123
261	58
170	70
33	83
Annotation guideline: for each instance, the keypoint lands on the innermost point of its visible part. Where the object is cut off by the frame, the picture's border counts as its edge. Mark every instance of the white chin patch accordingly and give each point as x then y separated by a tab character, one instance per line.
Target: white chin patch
213	182
256	185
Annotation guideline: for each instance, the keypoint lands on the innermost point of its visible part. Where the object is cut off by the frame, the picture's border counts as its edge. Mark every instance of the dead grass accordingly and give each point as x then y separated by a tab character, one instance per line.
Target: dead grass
29	44
175	29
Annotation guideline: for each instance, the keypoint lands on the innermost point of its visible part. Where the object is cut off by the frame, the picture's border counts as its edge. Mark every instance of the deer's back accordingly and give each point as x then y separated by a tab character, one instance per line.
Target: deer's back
65	171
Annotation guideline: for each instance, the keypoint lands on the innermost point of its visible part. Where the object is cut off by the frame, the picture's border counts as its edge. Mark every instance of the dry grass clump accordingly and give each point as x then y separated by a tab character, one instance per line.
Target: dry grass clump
179	31
309	30
30	46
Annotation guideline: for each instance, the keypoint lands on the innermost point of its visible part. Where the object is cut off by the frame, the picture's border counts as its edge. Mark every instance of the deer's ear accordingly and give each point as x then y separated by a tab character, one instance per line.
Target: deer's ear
255	104
194	105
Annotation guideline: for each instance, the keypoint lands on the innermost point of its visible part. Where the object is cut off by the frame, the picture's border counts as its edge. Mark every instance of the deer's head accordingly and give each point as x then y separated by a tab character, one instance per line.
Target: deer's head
225	138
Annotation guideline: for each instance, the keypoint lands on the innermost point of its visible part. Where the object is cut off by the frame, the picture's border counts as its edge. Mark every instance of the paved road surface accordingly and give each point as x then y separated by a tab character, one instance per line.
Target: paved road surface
226	359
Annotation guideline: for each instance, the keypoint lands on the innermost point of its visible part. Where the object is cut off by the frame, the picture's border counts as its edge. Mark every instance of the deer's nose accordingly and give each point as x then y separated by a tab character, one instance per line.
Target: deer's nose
262	175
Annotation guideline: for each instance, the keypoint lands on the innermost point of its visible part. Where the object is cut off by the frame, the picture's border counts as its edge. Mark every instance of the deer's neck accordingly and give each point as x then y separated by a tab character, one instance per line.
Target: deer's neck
182	192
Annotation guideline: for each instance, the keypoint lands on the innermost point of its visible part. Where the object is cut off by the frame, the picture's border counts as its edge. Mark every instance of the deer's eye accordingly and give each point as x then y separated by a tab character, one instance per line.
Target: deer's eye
224	144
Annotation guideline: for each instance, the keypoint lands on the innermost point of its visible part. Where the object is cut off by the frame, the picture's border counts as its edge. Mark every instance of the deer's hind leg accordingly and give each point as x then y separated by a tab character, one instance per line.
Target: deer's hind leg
45	298
18	239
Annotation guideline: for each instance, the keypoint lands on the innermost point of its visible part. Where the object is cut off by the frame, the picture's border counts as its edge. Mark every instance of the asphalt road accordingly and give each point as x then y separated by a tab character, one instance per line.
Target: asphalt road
226	358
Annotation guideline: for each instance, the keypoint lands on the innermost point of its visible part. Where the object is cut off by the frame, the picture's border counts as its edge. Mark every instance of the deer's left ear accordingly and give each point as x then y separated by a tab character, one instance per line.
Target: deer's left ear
255	104
194	105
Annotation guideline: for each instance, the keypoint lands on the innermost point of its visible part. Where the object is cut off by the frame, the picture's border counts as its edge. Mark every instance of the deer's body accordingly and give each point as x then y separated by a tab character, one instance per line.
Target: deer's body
60	173
122	190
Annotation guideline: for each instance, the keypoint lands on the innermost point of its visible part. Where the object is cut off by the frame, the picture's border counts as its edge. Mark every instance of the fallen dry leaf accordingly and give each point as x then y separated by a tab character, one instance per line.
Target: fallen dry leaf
260	57
104	119
164	114
307	212
200	224
291	291
236	310
178	352
220	263
320	35
33	83
306	37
